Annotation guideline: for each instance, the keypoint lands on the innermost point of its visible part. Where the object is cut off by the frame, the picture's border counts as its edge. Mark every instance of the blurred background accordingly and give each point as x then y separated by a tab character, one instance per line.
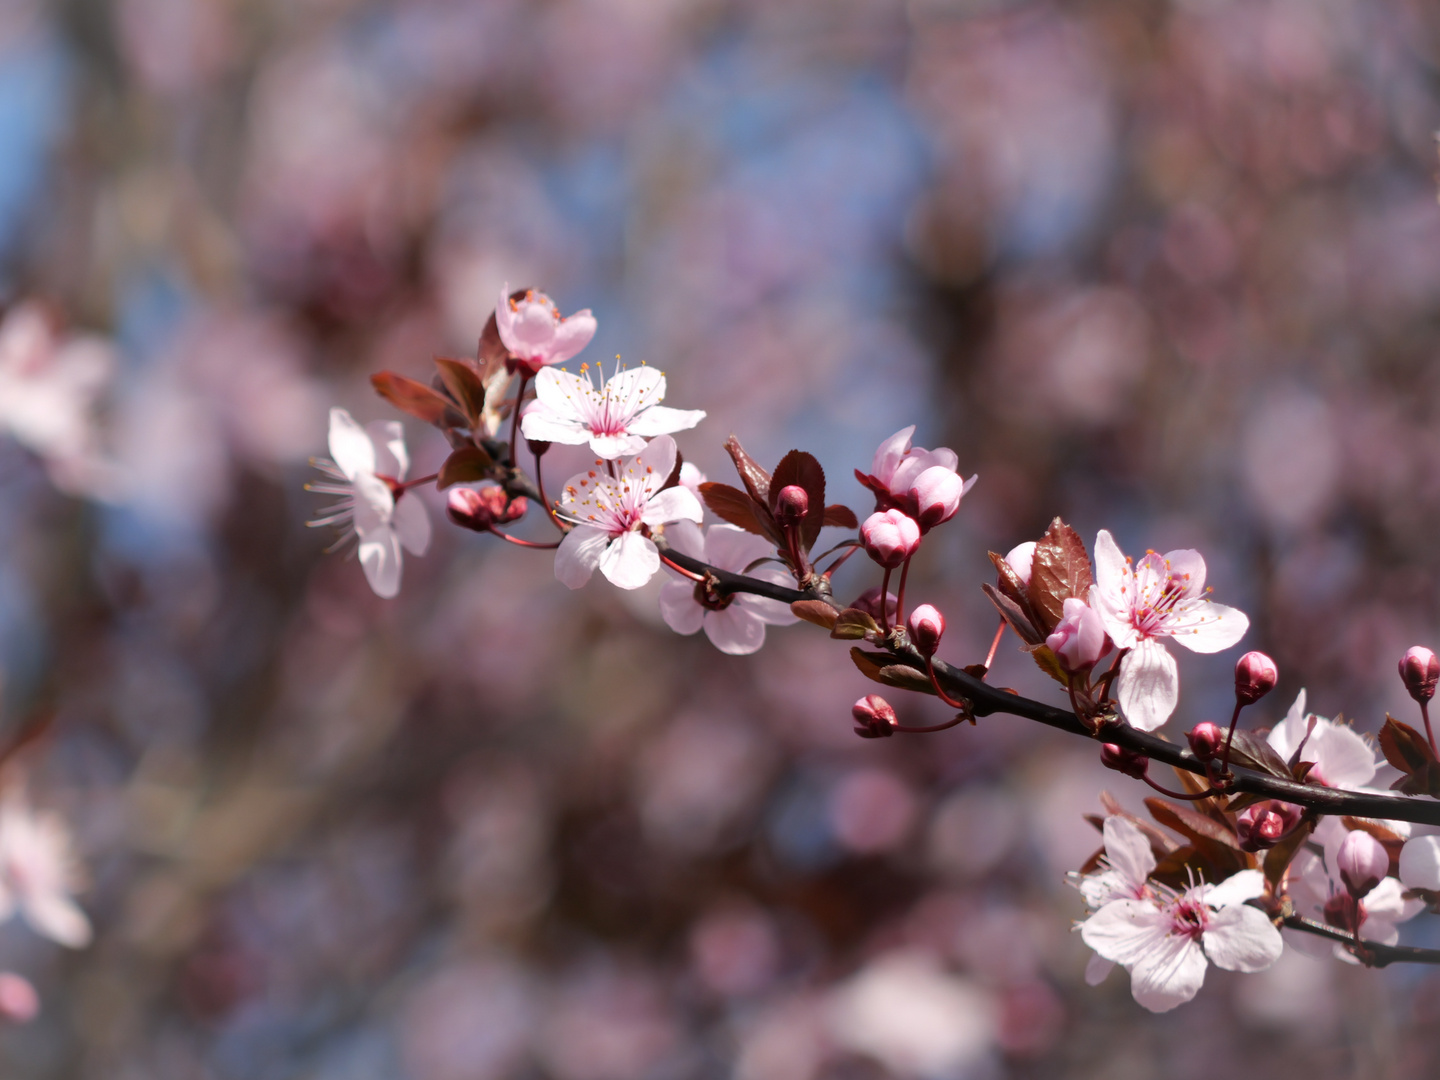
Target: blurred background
1171	269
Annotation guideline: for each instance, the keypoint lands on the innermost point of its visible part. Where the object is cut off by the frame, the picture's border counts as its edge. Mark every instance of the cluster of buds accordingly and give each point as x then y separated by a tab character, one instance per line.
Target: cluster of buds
481	509
874	717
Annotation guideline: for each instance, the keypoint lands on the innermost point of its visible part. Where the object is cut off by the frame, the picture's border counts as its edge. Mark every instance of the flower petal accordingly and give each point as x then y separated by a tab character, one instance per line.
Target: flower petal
686	538
1128	850
1241	938
773	612
1420	863
610	447
679	609
380	559
1236	889
1169	975
662	420
412	524
1126	930
545	425
1097	969
1285	736
351	448
571	335
630	560
562	393
1113	594
58	918
1149	685
578	555
659	457
673	504
1206	627
888	455
736	630
731	548
391	457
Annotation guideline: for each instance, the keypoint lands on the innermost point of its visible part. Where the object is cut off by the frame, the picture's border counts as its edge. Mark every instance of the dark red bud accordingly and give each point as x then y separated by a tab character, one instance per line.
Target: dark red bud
1265	824
791	505
515	510
482	508
1206	739
1129	762
537	447
1255	676
927	626
874	717
1420	669
1345	912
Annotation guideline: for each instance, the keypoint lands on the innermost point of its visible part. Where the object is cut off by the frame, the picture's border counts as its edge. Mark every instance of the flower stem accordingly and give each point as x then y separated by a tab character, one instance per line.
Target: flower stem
994	645
840	561
940	693
885	603
540	485
1425	715
680	569
903	730
1180	794
523	543
1234	719
515	420
900	598
408	484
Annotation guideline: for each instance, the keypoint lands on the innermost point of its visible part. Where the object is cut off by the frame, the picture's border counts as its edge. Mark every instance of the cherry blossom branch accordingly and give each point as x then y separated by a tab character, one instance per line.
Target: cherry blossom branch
1370	953
986	700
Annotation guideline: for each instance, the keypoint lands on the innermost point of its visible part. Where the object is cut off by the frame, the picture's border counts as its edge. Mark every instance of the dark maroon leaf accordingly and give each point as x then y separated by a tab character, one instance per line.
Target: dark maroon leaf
842	516
411	397
755	479
1250	751
817	612
467	465
801	469
1404	747
463	383
1060	571
1011	613
1188	823
1010	583
734	506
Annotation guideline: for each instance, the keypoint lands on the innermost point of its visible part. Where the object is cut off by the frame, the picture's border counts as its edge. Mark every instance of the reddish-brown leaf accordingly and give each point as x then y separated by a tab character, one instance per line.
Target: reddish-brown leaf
466	465
874	666
842	516
1187	822
802	470
816	611
734	506
1010	583
853	624
463	382
1250	751
755	479
1280	856
1011	613
1404	747
1061	571
412	397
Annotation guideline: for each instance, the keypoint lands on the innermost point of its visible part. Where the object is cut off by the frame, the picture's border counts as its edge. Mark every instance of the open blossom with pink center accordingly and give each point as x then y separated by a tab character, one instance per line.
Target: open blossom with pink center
367	469
1166	940
1318	892
734	623
1162	596
609	513
38	874
1124	874
1340	757
615	418
903	477
534	331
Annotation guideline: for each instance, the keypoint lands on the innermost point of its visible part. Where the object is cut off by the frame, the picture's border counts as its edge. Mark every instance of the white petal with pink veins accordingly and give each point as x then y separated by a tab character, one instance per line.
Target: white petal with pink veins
662	420
1128	849
1170	975
1207	627
1126	931
579	554
1113	594
350	447
58	918
686	538
673	504
380	559
630	560
735	630
412	524
889	453
1242	938
679	609
391	457
731	548
1149	685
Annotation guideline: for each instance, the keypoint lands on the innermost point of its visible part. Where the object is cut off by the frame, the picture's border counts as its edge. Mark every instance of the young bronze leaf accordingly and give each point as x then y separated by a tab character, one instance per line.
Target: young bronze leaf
410	396
817	612
734	506
874	666
842	516
1010	583
1249	751
1049	663
1404	747
463	382
465	466
1011	613
801	469
1197	827
853	624
1060	571
755	479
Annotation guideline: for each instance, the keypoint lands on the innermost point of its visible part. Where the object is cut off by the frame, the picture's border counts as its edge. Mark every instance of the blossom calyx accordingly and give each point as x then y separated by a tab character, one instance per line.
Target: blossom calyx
1420	670
1205	740
1255	676
890	538
1265	824
791	506
927	626
1362	862
484	508
1130	762
874	717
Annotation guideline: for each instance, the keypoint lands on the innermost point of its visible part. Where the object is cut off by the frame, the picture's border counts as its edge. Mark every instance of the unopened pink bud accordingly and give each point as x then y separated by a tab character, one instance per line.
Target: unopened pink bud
1130	762
19	1003
514	510
1206	739
1265	824
890	538
482	508
869	602
1255	676
1420	669
1362	862
874	717
1022	560
791	505
1079	639
935	495
927	626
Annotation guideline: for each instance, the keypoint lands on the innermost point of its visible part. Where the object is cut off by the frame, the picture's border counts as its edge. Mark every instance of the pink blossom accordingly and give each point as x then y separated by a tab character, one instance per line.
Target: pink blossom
1420	863
734	623
1079	639
927	626
1420	671
19	1003
1022	560
1167	939
935	496
534	331
610	512
890	537
1124	874
1361	862
38	874
615	419
1163	596
1339	756
1255	676
895	479
368	467
1313	883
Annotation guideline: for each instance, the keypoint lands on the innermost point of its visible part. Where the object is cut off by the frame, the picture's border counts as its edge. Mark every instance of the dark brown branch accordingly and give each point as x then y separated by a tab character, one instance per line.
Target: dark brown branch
988	699
1376	954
